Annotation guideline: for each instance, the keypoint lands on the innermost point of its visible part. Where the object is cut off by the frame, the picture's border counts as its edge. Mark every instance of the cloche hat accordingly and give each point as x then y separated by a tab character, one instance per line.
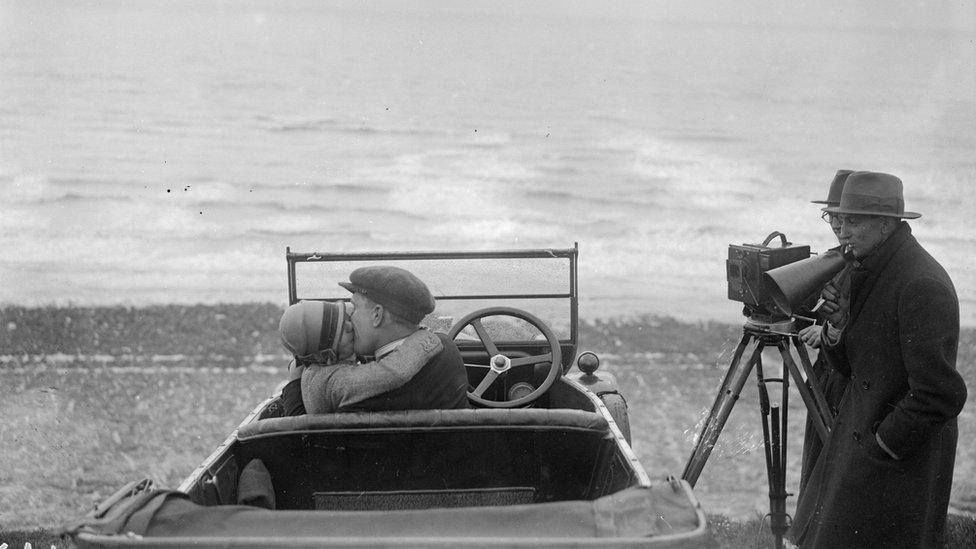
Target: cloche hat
310	327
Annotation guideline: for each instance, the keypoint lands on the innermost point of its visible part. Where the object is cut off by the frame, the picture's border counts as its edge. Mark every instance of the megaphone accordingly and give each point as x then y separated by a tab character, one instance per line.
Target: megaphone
793	283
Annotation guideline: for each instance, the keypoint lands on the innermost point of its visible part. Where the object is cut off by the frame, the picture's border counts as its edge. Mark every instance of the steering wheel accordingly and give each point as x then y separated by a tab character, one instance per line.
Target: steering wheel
499	364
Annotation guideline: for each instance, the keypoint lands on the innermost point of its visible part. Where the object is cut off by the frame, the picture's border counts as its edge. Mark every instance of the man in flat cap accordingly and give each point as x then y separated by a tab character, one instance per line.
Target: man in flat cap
884	475
388	306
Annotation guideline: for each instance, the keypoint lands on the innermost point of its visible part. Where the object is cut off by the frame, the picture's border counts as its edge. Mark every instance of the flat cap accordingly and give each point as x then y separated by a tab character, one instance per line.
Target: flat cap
399	290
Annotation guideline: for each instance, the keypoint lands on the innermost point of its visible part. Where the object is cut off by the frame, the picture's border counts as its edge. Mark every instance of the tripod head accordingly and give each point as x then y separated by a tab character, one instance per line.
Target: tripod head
760	321
769	330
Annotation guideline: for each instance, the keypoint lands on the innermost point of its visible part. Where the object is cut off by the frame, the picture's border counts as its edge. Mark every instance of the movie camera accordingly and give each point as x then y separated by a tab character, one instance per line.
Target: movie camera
772	282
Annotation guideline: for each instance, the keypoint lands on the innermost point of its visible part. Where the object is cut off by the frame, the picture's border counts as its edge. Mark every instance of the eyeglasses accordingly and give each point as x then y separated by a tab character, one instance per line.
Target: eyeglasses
852	220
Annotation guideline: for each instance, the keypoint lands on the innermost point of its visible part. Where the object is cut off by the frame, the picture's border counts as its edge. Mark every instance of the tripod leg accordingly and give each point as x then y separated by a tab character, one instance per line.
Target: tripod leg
816	408
815	386
735	379
777	474
727	378
774	418
764	407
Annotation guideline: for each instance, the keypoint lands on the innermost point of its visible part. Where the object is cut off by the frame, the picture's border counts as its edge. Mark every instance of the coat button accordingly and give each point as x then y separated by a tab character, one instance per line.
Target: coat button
865	385
856	435
853	375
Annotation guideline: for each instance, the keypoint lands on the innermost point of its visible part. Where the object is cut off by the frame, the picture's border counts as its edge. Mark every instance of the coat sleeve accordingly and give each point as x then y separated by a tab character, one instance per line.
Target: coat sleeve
291	398
316	380
333	388
928	331
834	349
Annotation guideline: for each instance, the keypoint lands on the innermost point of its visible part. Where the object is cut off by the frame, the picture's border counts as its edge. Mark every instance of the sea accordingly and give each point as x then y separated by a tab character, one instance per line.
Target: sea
169	151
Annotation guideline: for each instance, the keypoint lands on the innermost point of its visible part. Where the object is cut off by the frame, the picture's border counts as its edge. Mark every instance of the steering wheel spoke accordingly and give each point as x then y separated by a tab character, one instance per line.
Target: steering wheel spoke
479	328
490	378
527	360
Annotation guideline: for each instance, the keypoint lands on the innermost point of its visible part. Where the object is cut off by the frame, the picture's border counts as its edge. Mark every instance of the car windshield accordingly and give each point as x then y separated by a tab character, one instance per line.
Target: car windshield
540	282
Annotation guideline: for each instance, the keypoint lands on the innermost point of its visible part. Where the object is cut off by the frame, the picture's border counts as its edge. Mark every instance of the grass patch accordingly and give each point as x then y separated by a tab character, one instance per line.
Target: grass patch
39	539
754	532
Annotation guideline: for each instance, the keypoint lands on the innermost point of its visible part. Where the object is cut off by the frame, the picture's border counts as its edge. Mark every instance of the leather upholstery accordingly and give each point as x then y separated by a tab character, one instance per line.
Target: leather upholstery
425	420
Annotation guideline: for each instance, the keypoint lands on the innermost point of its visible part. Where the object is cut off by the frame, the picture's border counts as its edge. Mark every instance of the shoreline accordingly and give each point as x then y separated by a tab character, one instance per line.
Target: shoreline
237	330
251	329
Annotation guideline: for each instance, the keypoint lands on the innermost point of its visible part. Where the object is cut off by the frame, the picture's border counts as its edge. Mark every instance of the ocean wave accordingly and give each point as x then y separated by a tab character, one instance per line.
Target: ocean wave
560	170
446	169
351	189
25	188
622	201
74	198
34	189
356	235
705	138
313	125
335	125
85	182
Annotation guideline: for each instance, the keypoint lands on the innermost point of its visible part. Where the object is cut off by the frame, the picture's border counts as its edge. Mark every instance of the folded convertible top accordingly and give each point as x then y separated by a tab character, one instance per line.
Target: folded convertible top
664	515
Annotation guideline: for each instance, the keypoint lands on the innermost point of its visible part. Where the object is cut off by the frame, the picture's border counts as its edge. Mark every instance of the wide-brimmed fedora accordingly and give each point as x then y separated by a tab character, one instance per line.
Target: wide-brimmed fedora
836	188
872	193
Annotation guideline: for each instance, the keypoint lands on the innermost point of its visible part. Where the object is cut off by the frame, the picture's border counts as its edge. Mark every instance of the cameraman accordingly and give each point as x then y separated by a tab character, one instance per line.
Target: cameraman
885	472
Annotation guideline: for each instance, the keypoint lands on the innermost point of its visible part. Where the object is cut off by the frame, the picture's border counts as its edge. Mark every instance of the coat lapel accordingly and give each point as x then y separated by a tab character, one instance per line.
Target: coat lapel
861	283
864	277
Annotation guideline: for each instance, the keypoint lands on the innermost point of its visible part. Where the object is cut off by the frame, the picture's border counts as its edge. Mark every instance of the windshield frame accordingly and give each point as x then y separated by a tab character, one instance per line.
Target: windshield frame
571	293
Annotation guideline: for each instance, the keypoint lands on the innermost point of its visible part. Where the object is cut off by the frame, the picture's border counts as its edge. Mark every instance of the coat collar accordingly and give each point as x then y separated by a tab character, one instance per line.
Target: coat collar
865	275
876	261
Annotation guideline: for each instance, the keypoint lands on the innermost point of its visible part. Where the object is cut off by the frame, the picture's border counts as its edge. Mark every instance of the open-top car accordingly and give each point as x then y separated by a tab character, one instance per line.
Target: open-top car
541	459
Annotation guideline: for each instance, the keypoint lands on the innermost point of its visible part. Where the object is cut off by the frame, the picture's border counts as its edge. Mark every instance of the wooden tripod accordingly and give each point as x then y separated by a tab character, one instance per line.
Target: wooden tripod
774	414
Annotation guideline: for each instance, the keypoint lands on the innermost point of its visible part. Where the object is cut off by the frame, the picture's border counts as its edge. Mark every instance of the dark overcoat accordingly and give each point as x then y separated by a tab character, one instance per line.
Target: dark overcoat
899	349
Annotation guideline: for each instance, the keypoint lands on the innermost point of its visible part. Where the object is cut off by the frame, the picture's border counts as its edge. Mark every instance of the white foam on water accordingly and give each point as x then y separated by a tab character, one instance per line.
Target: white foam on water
18	187
465	196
